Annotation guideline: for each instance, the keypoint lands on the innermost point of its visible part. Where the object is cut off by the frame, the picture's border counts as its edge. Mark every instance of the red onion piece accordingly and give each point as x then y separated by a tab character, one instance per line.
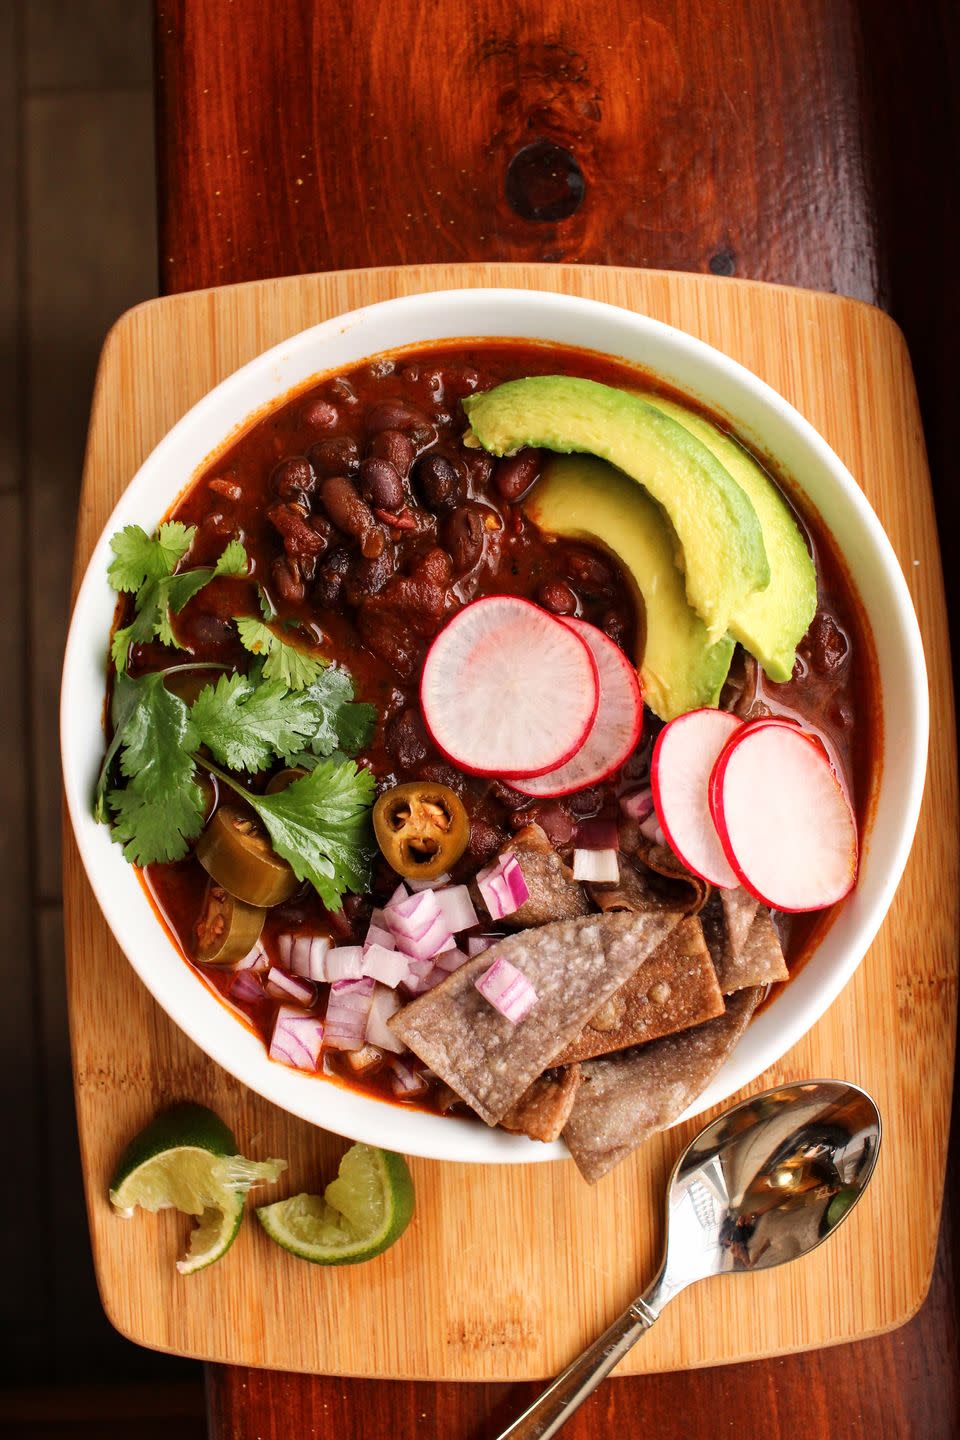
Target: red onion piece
306	955
345	962
348	1007
413	916
365	1060
379	933
401	893
597	834
638	804
456	907
384	1004
255	959
284	986
599	866
476	944
417	885
450	960
387	966
502	887
650	830
507	990
297	1039
407	1083
245	988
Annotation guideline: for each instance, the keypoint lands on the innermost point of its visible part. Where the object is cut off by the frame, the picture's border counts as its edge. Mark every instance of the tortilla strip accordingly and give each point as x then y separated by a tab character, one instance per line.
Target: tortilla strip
574	966
674	989
543	1110
739	911
624	1099
757	960
643	889
554	894
662	859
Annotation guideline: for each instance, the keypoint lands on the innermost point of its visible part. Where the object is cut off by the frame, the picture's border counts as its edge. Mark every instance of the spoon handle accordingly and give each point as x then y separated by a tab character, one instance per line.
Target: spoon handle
572	1386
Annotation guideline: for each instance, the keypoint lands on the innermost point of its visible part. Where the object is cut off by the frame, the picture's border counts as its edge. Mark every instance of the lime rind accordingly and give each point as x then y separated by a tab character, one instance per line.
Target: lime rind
360	1214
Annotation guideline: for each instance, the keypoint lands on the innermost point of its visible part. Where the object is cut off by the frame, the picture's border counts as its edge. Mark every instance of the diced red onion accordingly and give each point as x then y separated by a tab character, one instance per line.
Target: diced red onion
306	955
414	915
436	977
417	885
399	894
476	944
387	966
419	968
456	907
284	986
638	804
599	866
297	1039
245	988
384	1004
255	959
432	942
450	960
365	1060
344	962
407	1083
348	1007
650	830
507	990
379	933
597	834
503	887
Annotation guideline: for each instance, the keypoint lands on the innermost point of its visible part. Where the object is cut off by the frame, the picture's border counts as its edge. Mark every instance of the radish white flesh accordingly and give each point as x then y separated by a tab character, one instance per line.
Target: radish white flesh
683	758
508	689
615	731
784	820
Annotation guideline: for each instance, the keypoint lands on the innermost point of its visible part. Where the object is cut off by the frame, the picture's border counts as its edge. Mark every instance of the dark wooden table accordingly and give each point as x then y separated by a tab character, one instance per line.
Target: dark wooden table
811	144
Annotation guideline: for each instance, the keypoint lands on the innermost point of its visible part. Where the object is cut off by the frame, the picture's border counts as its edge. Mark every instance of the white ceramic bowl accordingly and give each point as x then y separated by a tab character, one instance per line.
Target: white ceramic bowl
757	413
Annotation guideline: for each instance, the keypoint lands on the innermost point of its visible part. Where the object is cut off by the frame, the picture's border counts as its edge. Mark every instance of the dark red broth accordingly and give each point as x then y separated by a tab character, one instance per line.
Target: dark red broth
379	629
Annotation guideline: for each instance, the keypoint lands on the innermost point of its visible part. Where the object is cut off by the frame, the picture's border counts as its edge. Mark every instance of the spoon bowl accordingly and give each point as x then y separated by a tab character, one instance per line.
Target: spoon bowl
766	1182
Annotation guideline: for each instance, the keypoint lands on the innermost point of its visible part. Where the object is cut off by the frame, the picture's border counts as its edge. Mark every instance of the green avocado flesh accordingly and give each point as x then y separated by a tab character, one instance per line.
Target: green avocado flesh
770	623
721	544
582	498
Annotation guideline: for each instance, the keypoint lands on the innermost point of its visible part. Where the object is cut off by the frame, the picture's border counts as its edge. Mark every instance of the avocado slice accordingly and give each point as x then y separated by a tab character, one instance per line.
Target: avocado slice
721	544
582	498
770	623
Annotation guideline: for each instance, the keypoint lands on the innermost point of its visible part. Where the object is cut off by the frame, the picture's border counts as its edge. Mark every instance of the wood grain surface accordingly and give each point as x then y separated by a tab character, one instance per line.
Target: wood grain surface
482	1287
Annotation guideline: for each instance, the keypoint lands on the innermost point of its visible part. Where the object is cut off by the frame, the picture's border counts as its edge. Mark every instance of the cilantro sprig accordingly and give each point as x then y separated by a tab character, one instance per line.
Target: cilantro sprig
146	567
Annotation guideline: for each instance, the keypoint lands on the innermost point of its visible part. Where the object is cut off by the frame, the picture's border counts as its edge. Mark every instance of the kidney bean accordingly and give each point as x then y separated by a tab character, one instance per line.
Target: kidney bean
435	565
347	511
321	415
395	415
344	391
509	799
421	601
331	575
554	819
301	537
380	480
556	595
287	580
825	645
406	739
293	477
436	480
516	473
484	840
438	772
395	447
479	468
463	532
613	624
368	576
586	802
337	455
590	572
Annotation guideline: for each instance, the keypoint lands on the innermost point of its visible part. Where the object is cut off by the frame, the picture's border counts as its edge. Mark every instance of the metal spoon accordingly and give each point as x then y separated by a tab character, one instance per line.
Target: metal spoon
765	1183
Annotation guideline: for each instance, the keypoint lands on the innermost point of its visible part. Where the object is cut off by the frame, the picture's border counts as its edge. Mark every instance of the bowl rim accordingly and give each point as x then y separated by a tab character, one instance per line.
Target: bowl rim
360	1116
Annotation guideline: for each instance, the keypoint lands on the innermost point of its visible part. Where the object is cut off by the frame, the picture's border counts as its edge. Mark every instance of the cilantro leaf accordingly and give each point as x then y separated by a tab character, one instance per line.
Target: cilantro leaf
158	738
246	725
321	825
124	700
294	667
233	562
156	829
267	608
138	558
344	725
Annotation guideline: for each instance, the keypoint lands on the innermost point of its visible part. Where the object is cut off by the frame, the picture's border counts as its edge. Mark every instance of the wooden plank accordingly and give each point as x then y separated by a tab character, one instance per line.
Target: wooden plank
438	1305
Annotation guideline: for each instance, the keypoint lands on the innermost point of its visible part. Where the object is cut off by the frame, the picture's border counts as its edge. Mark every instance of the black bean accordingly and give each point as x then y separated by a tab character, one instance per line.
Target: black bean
321	415
336	456
613	624
381	483
479	468
516	474
368	576
556	595
463	532
395	415
331	576
394	446
436	480
293	477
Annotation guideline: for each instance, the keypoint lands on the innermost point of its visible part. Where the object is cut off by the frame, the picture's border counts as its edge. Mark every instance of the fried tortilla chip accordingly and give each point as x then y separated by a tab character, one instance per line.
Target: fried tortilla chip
662	859
624	1099
743	942
674	989
640	888
573	965
554	894
543	1110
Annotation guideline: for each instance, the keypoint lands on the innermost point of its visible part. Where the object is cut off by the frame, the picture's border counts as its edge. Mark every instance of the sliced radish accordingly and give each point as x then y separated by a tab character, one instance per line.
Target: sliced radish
783	817
508	689
683	758
615	731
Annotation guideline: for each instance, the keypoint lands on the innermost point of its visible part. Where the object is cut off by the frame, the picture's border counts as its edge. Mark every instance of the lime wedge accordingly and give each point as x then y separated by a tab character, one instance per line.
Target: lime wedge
185	1160
359	1215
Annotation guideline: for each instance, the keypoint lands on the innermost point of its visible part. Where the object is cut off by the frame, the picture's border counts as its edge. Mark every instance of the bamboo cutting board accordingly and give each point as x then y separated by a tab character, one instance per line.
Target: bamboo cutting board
507	1271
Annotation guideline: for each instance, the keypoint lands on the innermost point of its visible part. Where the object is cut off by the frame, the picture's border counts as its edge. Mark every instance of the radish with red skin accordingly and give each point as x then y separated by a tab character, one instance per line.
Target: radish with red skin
616	730
683	759
508	689
783	817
